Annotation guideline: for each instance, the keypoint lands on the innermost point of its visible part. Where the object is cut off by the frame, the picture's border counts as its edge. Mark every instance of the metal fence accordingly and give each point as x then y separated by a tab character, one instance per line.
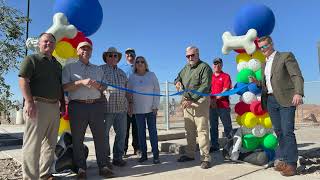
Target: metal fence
170	114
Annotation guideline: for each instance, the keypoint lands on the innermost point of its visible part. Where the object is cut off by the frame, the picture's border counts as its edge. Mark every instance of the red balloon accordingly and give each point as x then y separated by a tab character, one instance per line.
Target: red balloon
244	51
80	37
256	108
241	108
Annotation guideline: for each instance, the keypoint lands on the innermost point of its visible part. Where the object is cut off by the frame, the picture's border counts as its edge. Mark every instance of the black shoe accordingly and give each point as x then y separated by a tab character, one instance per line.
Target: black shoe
106	172
214	149
81	174
125	155
185	158
109	165
142	159
119	163
156	161
205	165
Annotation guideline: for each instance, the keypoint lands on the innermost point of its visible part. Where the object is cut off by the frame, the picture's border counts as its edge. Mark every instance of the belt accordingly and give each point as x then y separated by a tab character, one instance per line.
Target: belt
87	101
270	94
45	100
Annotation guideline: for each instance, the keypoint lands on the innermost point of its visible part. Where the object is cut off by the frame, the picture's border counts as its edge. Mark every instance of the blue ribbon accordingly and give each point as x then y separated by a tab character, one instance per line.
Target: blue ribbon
226	93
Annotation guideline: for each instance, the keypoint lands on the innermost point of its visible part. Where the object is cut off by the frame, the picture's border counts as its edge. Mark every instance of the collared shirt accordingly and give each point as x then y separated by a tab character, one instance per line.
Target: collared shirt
267	71
77	71
220	82
127	68
116	99
196	77
44	75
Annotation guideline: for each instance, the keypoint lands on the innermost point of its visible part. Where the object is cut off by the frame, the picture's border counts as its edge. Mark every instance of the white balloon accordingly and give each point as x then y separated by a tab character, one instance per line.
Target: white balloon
245	42
248	97
242	65
32	44
245	130
61	27
259	131
254	65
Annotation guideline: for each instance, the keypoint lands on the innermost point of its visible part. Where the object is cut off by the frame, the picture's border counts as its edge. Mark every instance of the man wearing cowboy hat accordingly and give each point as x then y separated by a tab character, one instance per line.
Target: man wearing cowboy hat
80	79
116	104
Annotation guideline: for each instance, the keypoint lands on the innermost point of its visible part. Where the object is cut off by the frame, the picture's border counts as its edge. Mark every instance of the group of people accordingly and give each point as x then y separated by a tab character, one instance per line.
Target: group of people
95	100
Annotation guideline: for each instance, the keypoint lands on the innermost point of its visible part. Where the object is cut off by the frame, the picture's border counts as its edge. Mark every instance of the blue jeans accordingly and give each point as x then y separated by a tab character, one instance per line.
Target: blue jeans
119	122
283	124
153	134
224	114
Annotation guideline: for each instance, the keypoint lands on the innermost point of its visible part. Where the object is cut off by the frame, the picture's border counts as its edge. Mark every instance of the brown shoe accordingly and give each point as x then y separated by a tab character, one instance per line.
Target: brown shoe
205	165
82	174
289	170
279	166
49	177
106	172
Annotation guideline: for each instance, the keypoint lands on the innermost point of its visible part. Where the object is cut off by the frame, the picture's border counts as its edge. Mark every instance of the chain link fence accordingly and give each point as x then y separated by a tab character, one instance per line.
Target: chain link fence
170	114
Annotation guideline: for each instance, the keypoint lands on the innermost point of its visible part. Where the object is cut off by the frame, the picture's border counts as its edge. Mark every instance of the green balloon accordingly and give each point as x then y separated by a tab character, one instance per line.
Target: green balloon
258	75
242	76
270	141
250	142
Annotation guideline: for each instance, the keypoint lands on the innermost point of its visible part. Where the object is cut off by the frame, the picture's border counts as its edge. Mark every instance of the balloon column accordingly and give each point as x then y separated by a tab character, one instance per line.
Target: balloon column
251	22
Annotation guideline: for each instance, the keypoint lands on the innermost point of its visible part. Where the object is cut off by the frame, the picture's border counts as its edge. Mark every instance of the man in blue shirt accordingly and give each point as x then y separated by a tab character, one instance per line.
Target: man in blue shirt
127	67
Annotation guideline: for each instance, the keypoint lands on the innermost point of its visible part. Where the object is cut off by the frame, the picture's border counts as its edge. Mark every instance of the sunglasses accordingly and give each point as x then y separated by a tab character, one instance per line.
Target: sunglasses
190	55
139	62
113	55
216	63
131	55
265	46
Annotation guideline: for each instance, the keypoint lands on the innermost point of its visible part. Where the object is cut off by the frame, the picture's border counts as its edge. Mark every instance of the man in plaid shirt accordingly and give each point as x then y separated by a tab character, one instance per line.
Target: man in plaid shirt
116	104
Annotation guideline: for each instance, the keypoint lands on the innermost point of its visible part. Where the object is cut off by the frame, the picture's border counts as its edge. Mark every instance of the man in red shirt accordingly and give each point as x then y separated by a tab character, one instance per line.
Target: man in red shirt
220	105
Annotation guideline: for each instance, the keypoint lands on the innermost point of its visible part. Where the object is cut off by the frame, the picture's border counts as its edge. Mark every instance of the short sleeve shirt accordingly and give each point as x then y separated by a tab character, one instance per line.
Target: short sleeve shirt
77	71
219	83
44	75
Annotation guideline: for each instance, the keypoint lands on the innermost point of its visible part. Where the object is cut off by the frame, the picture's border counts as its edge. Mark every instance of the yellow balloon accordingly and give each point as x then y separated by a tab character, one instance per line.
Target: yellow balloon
64	126
64	50
249	120
259	56
267	122
243	57
260	118
238	119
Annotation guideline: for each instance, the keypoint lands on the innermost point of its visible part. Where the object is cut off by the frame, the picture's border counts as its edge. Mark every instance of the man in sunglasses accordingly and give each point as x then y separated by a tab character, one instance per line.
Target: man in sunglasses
127	67
116	104
196	75
220	105
282	90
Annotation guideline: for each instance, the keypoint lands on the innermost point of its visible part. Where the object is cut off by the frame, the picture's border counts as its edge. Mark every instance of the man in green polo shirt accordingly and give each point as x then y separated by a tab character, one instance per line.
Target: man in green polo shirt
40	84
196	75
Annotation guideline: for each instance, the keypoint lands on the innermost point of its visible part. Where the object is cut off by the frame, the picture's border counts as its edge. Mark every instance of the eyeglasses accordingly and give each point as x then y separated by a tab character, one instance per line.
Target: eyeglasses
190	55
265	46
139	62
113	55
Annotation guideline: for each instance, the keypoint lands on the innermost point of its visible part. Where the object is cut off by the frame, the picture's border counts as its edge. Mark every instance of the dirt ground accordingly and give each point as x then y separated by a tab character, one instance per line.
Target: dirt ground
10	169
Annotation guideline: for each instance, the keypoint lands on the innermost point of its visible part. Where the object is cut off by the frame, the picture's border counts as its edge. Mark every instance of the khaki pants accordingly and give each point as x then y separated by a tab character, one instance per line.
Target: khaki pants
196	121
39	140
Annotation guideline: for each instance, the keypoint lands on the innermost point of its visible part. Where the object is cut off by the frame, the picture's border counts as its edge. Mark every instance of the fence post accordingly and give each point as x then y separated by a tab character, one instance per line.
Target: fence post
167	106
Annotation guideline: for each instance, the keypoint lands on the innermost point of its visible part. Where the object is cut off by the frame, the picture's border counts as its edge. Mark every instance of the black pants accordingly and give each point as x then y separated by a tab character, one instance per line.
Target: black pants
81	115
135	143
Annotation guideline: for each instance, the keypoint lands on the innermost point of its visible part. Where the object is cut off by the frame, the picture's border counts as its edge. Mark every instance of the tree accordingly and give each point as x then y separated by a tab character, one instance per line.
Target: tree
11	49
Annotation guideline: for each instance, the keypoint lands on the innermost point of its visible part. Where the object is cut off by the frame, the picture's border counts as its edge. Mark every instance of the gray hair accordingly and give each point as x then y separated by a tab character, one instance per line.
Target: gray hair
265	38
192	48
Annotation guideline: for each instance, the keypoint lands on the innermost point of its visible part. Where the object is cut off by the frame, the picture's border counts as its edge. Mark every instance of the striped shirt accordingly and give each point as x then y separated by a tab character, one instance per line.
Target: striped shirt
116	99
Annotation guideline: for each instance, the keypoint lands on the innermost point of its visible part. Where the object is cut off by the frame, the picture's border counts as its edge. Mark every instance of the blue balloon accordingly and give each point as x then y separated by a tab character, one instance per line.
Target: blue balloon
85	15
254	16
238	85
254	88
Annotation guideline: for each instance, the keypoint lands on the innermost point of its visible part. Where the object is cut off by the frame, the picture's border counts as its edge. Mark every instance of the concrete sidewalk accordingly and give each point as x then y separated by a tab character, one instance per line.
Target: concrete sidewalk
308	137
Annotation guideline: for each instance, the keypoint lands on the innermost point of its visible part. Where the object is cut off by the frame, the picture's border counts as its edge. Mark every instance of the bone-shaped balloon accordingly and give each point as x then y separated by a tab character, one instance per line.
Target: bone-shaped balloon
61	27
32	44
245	42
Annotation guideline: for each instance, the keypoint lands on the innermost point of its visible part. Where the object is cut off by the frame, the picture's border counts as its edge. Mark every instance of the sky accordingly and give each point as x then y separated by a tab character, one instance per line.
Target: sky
161	30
